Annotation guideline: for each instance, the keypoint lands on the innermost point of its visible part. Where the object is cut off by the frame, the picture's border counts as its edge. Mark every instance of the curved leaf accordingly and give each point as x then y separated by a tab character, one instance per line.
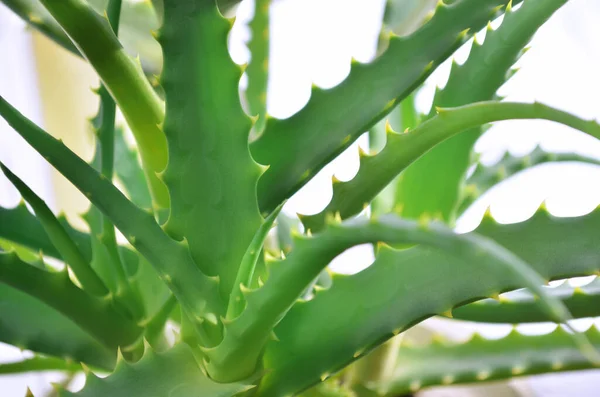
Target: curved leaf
484	177
22	227
38	363
27	323
405	287
401	150
258	67
59	237
478	79
483	360
96	316
139	20
211	175
196	292
335	118
245	336
125	80
169	374
129	171
522	306
32	12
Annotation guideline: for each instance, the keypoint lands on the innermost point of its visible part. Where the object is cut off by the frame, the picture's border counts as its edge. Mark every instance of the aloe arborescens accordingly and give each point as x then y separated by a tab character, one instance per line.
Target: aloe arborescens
206	184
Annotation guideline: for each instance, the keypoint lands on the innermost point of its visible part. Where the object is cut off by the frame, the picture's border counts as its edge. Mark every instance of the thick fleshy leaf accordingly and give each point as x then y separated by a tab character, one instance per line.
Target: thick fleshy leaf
405	287
444	363
125	80
258	67
38	363
402	149
129	171
196	292
478	79
59	237
211	176
138	17
169	374
244	337
484	177
22	227
96	316
27	323
522	307
335	118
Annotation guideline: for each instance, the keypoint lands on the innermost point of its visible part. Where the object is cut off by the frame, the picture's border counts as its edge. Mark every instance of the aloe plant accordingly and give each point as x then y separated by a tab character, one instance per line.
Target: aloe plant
203	299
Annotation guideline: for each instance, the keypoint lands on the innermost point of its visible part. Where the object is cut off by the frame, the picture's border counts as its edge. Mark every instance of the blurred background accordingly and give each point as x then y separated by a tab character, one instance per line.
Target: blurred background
313	42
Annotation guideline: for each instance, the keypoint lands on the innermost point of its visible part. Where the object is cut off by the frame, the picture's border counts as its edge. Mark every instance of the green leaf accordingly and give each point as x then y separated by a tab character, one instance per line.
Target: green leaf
247	267
146	281
211	176
156	325
128	170
32	12
38	363
484	177
405	287
196	292
125	80
245	336
335	118
104	241
60	238
27	323
404	17
258	67
139	20
96	316
22	227
522	307
404	117
556	241
481	360
401	150
169	374
478	79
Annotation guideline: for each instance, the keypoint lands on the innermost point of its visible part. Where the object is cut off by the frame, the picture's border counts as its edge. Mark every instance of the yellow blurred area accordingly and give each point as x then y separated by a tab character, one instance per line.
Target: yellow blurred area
65	82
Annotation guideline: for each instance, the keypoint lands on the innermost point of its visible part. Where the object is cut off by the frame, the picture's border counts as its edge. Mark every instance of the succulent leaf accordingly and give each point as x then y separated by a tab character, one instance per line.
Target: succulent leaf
59	237
34	14
245	336
168	374
28	323
129	171
139	19
333	119
398	290
197	293
94	315
38	363
124	79
247	267
484	360
211	175
478	79
22	227
258	67
403	149
484	177
522	307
